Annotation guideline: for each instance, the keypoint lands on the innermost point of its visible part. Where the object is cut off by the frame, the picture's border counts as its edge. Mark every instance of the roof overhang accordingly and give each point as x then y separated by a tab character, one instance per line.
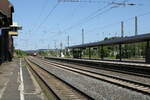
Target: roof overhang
13	31
125	40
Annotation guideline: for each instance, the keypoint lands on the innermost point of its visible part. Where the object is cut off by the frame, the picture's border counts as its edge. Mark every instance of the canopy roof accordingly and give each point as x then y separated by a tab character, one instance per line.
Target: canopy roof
125	40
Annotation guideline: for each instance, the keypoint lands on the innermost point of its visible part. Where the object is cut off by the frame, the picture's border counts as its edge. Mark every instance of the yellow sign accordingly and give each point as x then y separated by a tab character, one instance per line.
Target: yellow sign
13	33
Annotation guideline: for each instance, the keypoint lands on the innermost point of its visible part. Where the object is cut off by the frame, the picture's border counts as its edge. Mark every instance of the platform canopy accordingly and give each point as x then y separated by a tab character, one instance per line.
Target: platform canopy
124	40
13	31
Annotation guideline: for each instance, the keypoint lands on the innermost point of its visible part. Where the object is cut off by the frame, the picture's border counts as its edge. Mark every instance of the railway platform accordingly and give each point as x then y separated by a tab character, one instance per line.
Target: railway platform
17	83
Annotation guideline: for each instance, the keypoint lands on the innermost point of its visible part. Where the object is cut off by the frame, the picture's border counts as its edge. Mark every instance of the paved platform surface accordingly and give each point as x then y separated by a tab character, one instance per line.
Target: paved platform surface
17	83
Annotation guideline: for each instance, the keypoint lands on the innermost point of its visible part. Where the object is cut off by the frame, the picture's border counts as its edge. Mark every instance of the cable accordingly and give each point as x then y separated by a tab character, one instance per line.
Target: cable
50	13
112	24
98	14
84	1
40	14
86	18
86	21
43	8
90	17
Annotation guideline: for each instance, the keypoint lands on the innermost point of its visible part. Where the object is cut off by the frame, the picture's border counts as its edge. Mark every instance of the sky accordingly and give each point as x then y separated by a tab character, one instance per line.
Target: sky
49	22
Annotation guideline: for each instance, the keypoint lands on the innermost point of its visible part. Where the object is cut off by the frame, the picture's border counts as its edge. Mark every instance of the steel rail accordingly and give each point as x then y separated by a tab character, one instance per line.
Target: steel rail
133	85
82	67
71	86
41	79
103	68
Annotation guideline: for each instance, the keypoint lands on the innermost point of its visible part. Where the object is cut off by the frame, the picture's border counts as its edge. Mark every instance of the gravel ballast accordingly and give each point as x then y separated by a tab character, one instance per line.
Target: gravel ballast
97	89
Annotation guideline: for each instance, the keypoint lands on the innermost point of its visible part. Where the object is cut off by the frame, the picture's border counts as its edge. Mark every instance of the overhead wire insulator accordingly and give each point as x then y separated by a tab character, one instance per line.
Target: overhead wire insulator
131	4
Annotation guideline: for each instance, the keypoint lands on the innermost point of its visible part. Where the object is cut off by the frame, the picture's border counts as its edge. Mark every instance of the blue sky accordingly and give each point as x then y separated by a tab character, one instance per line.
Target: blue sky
69	19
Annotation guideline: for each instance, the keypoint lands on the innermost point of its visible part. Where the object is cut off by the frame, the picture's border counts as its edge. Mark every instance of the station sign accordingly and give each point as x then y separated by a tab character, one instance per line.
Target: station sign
13	33
14	29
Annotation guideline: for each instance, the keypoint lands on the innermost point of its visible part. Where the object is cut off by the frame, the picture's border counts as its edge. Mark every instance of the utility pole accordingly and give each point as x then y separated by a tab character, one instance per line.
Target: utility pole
48	50
35	46
68	40
82	36
48	47
55	49
136	33
136	26
55	44
61	45
122	29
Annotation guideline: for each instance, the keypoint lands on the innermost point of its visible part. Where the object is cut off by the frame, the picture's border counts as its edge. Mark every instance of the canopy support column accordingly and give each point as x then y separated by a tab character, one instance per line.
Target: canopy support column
147	52
89	53
120	52
99	54
102	53
80	53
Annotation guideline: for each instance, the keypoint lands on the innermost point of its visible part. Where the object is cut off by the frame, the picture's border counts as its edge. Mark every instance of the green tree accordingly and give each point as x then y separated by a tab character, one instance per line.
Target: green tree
20	53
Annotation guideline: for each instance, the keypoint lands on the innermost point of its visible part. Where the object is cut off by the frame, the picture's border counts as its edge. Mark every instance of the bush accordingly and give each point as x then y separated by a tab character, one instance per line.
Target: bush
20	53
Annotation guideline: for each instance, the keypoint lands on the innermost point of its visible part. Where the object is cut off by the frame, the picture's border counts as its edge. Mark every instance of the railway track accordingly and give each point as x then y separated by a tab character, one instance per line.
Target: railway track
59	89
133	85
102	68
137	69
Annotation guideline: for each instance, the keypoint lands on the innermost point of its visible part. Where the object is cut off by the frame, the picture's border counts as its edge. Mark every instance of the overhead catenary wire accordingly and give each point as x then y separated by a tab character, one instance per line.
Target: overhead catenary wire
118	22
49	14
43	8
93	15
88	18
41	11
85	1
101	13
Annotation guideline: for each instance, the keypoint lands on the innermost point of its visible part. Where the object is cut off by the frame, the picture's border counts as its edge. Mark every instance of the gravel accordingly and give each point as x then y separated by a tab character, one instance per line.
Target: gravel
97	89
139	79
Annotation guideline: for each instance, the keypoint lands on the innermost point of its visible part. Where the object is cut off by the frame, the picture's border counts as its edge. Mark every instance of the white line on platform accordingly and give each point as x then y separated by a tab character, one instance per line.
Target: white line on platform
21	84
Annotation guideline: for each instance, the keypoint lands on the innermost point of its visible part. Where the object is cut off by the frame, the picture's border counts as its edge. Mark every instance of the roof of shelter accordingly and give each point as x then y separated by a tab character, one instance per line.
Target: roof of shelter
124	40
